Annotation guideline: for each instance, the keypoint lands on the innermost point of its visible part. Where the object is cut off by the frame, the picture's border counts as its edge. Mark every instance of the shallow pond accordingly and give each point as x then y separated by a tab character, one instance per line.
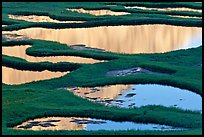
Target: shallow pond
20	52
129	96
35	18
98	12
129	39
163	9
185	16
13	76
77	123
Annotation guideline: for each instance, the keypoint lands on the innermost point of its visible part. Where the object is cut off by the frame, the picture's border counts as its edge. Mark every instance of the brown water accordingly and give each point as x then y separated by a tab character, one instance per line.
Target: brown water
63	124
9	37
35	18
13	76
20	52
123	39
98	12
107	92
185	16
163	9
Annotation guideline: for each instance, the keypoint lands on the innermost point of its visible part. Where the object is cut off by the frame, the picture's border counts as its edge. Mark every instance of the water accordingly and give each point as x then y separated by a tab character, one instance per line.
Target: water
98	12
77	123
13	76
20	52
129	39
163	9
35	18
130	96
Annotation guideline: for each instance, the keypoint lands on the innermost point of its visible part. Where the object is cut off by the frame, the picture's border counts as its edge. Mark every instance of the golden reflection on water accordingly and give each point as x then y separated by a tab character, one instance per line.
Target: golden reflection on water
98	12
36	18
13	76
106	92
163	9
63	124
20	52
123	39
185	16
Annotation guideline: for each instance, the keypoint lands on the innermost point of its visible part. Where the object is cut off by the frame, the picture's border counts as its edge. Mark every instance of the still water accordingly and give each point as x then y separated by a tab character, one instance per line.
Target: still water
98	12
35	18
129	39
20	52
13	76
129	96
163	9
77	123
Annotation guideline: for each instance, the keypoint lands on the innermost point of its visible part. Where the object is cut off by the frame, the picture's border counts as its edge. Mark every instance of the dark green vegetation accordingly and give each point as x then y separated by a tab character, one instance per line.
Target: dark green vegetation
47	98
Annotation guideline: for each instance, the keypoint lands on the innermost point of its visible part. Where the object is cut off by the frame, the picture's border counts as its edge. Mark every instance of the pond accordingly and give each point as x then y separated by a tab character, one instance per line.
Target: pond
98	12
20	52
13	76
163	9
185	16
36	18
138	95
129	39
78	123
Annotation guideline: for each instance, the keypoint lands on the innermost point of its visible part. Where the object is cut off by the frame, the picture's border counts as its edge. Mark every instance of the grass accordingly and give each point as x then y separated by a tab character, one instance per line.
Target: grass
46	98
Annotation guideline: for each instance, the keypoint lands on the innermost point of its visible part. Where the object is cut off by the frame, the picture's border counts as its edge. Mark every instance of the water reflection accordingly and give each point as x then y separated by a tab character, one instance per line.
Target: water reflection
129	39
163	9
141	95
20	52
107	92
61	123
36	18
78	123
185	16
13	76
98	12
9	37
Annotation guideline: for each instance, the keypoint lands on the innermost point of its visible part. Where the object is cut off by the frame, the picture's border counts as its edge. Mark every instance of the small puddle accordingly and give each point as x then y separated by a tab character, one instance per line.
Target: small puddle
20	52
131	71
35	18
98	12
77	123
158	38
13	76
163	9
130	96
